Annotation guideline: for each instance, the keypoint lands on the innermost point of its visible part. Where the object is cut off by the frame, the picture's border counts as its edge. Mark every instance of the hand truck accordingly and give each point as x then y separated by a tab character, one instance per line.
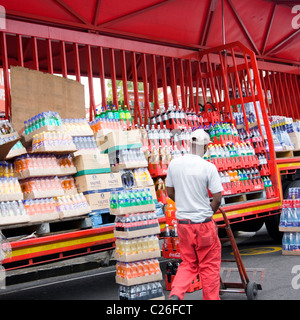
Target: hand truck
250	288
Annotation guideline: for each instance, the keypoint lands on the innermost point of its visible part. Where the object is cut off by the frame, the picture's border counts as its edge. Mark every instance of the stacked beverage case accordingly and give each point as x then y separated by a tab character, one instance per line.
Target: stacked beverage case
136	224
290	223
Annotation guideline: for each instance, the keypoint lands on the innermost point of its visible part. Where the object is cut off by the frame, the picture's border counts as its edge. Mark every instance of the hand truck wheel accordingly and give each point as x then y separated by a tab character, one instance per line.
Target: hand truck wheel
251	290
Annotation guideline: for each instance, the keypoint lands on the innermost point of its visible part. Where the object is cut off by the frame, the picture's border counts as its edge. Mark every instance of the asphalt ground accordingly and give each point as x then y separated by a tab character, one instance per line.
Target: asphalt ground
279	276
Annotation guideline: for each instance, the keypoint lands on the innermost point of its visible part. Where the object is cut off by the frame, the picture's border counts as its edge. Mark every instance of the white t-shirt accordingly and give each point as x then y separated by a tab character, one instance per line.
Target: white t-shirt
191	175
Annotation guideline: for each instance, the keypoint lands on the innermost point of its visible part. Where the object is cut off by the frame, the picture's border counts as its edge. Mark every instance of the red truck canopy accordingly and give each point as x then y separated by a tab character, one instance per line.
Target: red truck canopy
270	28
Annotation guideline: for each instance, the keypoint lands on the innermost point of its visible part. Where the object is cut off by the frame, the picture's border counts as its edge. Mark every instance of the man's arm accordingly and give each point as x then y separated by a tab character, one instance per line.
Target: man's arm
171	193
216	201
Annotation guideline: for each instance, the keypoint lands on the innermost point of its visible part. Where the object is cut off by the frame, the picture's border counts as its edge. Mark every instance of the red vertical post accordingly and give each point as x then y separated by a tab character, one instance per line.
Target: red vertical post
297	92
288	91
190	84
91	84
272	93
113	77
137	109
293	89
5	74
212	82
282	94
154	82
35	54
77	62
63	59
124	79
146	91
279	107
226	87
102	78
197	89
201	83
173	82
49	57
182	87
164	82
20	51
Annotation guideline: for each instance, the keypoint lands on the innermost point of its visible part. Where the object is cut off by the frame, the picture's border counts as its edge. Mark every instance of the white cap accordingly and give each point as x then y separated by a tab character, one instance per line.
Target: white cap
200	137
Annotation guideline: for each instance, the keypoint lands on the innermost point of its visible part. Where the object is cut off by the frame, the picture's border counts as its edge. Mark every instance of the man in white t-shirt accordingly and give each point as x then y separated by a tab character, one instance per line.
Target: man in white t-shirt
188	180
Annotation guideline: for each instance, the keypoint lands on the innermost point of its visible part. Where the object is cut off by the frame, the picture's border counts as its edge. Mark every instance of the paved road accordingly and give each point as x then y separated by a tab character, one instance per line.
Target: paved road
258	251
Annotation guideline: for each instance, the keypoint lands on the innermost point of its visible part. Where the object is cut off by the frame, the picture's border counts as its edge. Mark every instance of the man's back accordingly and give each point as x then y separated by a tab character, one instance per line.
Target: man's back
190	176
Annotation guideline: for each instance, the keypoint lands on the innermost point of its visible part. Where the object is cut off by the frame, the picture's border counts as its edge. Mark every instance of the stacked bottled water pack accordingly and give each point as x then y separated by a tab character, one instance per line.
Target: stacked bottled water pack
290	221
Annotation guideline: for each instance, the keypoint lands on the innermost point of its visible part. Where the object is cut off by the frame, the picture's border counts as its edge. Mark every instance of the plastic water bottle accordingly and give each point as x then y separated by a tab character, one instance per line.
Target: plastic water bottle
283	216
286	241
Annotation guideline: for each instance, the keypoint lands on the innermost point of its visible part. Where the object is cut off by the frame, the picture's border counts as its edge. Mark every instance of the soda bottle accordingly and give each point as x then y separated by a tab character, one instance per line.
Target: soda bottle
120	199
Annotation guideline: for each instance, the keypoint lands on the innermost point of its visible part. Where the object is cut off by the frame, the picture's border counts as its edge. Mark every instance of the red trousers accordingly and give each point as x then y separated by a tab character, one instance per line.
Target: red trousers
200	251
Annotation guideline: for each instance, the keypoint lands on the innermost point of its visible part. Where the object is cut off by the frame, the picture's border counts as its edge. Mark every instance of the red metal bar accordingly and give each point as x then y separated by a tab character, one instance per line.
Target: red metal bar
290	85
77	62
134	13
97	11
269	24
20	51
226	87
272	93
262	79
278	105
199	71
181	81
49	57
295	90
91	84
164	82
5	74
208	22
113	77
173	82
137	109
190	85
124	79
287	90
102	77
282	93
35	54
211	81
146	91
246	32
154	82
63	59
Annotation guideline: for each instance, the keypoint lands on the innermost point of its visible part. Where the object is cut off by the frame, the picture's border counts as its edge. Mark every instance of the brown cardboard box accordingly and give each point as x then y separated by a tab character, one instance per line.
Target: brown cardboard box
118	139
98	182
91	162
98	201
113	180
90	182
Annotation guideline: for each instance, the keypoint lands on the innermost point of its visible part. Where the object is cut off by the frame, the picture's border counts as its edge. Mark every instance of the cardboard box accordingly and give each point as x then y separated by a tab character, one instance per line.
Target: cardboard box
98	201
113	181
93	163
99	182
118	140
295	138
90	182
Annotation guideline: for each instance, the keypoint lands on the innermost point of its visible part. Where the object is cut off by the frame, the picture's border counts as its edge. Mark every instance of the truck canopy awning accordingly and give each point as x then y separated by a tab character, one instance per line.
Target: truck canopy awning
270	28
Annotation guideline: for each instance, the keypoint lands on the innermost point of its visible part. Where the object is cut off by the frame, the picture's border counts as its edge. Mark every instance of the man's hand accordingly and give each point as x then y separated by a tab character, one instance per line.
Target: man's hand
171	193
216	201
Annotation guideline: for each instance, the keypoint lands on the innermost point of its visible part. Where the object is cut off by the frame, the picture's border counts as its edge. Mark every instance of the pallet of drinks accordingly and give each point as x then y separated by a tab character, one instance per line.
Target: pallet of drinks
290	223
